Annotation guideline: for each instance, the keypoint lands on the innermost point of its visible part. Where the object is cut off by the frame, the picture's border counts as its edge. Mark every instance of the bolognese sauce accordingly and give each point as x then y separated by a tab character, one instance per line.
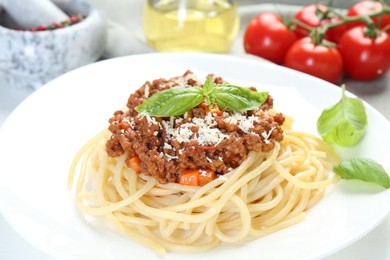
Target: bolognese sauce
203	139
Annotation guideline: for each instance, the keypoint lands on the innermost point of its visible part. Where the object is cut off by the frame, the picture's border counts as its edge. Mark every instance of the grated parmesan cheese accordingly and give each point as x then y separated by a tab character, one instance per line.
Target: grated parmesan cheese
168	146
178	120
151	120
243	122
192	76
146	92
207	134
170	157
204	136
181	82
131	123
266	135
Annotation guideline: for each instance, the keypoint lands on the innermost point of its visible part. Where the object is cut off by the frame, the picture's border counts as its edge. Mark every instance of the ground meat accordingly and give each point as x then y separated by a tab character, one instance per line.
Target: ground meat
167	146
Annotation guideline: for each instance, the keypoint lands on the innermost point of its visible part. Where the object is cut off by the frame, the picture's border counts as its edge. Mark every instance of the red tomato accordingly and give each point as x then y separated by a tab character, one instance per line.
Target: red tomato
367	7
266	36
365	58
317	60
307	15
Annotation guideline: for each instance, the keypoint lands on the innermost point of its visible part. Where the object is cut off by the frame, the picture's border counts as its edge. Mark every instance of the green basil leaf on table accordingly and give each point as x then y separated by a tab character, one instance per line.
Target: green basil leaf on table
344	123
171	102
234	98
363	169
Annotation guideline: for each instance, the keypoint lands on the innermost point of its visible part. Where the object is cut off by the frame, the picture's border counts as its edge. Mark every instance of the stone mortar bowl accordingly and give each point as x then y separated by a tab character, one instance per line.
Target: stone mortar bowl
30	59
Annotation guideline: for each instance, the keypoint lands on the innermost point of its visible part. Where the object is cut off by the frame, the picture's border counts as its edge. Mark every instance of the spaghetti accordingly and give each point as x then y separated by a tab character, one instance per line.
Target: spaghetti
266	193
264	186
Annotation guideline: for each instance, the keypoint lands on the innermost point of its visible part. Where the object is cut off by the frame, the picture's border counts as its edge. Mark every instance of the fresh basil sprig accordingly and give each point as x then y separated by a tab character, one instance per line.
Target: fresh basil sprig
234	98
171	102
177	101
363	169
344	123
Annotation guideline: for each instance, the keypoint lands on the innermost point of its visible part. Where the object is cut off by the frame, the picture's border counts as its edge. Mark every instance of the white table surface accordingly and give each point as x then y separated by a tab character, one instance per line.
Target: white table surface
374	246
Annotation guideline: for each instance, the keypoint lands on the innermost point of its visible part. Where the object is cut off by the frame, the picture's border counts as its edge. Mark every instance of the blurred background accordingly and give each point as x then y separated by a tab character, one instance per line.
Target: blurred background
125	20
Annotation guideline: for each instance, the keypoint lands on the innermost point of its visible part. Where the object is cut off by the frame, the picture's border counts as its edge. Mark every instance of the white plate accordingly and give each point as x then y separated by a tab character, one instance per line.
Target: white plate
40	138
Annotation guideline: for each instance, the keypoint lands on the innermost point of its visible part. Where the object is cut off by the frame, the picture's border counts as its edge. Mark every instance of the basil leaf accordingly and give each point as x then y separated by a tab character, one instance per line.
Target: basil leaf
363	169
208	86
344	123
235	98
171	102
210	101
177	101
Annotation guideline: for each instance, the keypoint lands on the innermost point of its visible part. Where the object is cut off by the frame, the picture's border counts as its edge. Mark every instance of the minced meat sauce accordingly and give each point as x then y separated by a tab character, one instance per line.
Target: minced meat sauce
199	139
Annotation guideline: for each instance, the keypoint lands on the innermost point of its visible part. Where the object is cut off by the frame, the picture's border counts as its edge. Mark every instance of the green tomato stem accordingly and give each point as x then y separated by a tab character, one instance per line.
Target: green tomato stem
350	19
317	34
301	24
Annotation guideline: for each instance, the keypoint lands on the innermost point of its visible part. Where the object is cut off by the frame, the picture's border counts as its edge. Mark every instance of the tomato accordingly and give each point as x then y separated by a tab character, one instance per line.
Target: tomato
317	60
308	15
365	58
367	7
266	36
334	34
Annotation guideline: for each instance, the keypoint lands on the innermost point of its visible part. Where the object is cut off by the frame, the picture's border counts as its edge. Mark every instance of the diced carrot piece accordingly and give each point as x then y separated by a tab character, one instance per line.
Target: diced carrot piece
213	110
261	114
196	177
216	110
204	105
134	164
189	177
206	176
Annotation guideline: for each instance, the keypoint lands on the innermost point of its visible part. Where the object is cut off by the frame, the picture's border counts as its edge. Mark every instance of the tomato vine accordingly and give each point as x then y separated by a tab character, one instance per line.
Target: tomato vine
331	34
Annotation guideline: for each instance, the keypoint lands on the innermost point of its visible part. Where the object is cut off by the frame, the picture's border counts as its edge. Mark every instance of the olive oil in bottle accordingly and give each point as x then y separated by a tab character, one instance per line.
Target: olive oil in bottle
191	25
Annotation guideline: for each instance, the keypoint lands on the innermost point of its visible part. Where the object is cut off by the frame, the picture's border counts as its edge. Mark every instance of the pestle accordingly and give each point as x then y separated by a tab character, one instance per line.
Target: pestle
33	13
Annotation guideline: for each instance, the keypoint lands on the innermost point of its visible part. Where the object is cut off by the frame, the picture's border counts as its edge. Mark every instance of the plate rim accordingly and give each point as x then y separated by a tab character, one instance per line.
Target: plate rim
52	84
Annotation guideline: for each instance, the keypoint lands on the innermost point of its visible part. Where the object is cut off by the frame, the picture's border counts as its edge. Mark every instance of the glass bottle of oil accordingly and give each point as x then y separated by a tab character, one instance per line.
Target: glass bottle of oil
191	25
